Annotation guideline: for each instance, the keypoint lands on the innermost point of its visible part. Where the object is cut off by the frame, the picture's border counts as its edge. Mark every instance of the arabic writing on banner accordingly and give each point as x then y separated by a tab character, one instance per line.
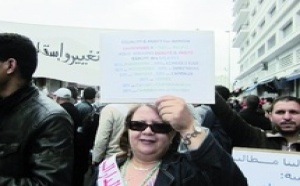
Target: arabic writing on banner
141	66
268	167
69	54
57	52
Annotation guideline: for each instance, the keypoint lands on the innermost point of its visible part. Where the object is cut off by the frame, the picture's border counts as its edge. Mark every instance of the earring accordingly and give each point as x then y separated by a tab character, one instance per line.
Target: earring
129	153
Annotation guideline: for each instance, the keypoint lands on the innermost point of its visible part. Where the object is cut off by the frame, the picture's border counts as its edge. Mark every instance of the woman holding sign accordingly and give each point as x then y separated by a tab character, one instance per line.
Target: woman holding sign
152	154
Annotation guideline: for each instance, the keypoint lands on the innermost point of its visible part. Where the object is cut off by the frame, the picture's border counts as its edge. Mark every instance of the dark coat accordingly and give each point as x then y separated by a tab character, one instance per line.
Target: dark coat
36	140
80	155
255	118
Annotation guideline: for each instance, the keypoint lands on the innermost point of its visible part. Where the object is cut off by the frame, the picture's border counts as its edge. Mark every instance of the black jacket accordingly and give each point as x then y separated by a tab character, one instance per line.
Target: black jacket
255	118
209	165
36	140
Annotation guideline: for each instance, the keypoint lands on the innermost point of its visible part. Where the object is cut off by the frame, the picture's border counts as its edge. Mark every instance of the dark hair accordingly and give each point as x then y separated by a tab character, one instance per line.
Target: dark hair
223	91
269	99
74	91
252	102
22	49
124	141
285	98
89	93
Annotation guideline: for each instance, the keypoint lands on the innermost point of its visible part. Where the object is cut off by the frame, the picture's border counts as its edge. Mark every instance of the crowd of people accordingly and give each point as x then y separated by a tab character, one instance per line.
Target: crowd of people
55	140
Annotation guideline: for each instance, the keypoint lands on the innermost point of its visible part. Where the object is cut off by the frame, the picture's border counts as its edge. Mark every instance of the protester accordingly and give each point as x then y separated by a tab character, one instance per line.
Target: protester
236	105
267	106
150	144
285	118
253	116
86	111
63	96
36	140
85	106
74	92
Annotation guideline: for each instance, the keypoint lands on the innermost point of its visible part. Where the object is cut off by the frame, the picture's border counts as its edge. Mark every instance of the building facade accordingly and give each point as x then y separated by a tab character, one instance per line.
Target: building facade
268	37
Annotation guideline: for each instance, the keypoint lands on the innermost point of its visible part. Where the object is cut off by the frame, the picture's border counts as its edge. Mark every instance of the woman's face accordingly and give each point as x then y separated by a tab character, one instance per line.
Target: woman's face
147	144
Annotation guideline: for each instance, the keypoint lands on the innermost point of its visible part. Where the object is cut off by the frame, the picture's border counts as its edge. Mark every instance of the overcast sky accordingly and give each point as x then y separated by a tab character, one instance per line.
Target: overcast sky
214	15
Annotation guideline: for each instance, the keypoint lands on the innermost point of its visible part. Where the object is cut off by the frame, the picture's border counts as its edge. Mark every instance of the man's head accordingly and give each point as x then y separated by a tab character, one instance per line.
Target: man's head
285	115
89	94
269	100
223	91
252	102
18	56
62	95
74	91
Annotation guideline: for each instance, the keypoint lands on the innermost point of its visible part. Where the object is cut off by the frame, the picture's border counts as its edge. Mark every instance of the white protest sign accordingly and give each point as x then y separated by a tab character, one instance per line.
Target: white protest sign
65	53
140	66
268	167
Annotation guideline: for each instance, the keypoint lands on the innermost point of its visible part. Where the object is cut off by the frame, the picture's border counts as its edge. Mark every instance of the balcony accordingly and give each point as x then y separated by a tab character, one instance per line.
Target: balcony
241	35
238	4
241	18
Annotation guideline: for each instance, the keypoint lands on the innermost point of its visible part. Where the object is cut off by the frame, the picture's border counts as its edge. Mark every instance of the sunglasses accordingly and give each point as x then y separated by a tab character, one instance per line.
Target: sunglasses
156	127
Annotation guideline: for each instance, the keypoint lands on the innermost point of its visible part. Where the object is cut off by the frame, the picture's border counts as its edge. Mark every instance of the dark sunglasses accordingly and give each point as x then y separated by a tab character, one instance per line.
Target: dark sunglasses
156	127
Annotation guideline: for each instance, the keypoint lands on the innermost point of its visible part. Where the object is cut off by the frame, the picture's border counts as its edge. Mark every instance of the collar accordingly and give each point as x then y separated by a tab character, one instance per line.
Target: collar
12	101
280	136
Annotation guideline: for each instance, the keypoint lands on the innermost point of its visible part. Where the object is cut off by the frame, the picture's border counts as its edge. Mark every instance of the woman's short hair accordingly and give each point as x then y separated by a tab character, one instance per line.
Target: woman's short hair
124	140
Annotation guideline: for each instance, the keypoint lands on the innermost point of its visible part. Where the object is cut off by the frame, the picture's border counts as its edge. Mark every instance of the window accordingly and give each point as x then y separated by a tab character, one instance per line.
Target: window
247	43
261	51
272	10
262	23
272	41
242	50
287	29
253	34
260	1
252	58
298	56
286	61
253	12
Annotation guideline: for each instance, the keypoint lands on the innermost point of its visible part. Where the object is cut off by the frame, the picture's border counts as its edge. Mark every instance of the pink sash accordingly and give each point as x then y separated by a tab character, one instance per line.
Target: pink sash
109	173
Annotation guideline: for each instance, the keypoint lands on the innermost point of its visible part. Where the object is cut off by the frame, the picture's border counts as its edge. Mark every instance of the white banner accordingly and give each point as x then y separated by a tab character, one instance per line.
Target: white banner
130	66
69	54
268	167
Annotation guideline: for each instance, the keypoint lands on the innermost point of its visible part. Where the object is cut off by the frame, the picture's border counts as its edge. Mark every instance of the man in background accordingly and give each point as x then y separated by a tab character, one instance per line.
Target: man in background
86	112
63	96
252	114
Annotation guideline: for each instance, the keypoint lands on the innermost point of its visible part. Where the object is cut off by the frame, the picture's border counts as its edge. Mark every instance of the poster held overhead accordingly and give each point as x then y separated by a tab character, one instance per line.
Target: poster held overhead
140	66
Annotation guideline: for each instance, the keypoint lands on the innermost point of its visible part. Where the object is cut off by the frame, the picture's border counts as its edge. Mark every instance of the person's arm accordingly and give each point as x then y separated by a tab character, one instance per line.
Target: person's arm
241	133
213	161
204	154
103	135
